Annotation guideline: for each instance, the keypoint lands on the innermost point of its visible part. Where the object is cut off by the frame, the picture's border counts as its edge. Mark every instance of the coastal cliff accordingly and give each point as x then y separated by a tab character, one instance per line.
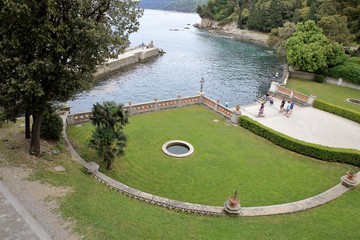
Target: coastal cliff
231	30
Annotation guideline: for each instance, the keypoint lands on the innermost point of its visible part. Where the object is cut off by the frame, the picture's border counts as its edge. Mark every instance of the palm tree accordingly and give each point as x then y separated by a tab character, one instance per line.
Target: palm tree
109	144
108	138
109	114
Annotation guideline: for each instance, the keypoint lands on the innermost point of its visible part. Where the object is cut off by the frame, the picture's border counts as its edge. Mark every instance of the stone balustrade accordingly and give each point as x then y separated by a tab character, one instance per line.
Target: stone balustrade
163	105
281	91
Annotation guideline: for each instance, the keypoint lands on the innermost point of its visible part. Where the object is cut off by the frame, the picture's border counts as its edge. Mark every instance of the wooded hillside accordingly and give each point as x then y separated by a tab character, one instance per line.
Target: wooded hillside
172	5
340	19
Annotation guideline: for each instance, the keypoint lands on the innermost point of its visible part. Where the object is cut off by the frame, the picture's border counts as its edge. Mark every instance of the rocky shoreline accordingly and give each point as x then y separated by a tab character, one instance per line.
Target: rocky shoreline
230	30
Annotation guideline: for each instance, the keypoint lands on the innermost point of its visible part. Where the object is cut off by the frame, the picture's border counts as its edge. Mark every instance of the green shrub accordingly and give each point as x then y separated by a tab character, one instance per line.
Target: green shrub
342	112
51	125
319	78
308	149
349	70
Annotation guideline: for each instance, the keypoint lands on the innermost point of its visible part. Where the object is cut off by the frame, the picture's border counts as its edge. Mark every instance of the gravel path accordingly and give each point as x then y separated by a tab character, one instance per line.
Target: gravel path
37	199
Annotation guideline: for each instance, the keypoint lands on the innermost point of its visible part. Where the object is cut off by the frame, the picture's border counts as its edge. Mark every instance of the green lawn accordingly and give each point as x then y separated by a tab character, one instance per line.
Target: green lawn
102	213
98	212
226	157
326	92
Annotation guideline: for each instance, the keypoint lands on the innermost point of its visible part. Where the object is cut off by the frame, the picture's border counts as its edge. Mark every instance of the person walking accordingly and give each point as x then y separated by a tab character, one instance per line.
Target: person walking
261	110
287	110
282	104
291	107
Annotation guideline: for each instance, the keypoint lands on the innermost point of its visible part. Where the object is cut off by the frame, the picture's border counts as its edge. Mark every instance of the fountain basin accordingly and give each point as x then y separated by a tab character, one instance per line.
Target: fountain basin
177	148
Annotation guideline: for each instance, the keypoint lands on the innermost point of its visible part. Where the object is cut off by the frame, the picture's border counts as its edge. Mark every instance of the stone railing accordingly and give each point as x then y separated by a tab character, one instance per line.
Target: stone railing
156	105
302	99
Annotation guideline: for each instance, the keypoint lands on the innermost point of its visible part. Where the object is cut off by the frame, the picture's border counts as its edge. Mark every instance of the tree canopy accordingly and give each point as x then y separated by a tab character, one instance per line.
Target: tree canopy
50	48
265	15
309	49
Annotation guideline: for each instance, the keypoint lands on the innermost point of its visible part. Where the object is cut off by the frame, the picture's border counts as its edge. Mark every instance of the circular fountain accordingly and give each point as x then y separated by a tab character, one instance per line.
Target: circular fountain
177	148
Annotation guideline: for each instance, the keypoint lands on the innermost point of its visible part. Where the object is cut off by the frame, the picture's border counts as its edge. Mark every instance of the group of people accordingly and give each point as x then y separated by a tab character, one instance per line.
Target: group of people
288	110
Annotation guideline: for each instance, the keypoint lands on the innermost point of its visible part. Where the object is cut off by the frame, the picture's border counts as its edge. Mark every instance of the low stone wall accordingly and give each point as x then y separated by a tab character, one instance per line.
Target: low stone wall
131	57
302	75
341	82
311	77
163	105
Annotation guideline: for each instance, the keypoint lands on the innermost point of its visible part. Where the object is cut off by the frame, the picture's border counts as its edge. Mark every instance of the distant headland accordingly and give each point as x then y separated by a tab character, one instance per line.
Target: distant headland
231	30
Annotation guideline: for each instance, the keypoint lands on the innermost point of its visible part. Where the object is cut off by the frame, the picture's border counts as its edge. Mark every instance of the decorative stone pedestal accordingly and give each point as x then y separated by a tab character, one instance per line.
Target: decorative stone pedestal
91	167
348	183
232	210
235	117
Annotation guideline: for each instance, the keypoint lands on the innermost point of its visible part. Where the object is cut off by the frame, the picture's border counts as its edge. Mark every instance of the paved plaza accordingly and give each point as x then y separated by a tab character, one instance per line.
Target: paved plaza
308	124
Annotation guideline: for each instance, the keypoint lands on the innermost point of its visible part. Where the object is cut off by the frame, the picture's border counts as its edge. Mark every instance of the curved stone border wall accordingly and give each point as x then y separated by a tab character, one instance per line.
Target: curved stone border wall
205	210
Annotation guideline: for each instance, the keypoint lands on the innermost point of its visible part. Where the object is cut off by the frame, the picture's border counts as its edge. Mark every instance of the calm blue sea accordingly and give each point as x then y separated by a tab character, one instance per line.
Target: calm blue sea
234	71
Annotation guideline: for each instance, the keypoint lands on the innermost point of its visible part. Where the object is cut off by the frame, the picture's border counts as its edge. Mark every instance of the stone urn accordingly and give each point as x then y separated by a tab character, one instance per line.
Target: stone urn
349	180
232	205
234	201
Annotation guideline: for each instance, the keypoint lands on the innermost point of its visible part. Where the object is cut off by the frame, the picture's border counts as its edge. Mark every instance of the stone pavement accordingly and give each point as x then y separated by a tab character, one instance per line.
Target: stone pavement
308	124
15	221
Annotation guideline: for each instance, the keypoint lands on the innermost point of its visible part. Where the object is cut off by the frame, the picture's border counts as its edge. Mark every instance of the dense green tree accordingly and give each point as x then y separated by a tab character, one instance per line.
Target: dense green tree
327	7
274	18
335	28
312	11
309	49
351	9
245	13
50	48
108	138
257	18
279	36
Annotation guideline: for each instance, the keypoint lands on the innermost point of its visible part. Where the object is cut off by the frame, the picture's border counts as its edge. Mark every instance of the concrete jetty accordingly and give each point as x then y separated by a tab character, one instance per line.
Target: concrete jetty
133	56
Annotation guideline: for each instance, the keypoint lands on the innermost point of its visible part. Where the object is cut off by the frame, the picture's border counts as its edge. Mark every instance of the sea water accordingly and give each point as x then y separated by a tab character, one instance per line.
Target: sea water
235	72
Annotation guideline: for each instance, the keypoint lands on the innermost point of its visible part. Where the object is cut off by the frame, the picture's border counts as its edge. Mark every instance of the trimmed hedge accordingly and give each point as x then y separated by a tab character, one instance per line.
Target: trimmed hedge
342	112
308	149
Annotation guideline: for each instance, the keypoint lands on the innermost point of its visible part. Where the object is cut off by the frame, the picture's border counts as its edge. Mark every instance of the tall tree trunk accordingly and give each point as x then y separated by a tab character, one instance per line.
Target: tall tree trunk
109	165
35	134
27	125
